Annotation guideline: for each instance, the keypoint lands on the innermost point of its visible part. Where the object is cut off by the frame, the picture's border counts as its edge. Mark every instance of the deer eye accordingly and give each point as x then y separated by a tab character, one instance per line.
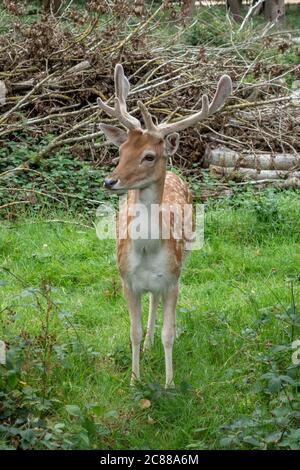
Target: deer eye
148	158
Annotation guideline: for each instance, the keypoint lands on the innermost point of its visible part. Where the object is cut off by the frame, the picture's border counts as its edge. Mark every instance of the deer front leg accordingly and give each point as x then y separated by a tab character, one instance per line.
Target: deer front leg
154	301
168	332
134	306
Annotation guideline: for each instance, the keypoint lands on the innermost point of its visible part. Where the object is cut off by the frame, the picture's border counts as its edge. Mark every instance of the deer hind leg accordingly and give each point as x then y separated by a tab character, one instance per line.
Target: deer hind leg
168	332
134	306
154	301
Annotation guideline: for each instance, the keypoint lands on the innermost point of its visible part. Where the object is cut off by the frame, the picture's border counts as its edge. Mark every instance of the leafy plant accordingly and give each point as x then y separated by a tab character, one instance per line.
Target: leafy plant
27	397
266	208
275	423
62	180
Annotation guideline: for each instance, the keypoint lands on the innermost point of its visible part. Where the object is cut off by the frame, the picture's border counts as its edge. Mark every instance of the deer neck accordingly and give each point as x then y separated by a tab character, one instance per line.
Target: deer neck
153	194
150	199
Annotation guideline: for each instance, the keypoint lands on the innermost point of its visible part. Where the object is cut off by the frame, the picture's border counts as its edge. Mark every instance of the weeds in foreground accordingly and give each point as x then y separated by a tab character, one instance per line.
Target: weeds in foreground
275	422
65	383
29	398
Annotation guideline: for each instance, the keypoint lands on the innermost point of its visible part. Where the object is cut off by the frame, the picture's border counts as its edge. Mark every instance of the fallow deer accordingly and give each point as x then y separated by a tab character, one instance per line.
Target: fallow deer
146	264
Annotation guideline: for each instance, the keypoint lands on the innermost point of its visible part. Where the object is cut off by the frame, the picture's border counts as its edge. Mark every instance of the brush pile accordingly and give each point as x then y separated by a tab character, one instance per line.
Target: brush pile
53	69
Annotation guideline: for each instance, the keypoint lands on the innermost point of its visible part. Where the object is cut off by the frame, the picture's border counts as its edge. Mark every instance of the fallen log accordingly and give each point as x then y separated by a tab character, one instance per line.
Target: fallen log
289	183
252	174
3	92
224	157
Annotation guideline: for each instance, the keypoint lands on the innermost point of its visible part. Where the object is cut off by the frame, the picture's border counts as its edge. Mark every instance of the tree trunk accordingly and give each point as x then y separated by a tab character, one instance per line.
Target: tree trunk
234	6
260	9
188	8
274	10
225	157
3	91
246	174
52	6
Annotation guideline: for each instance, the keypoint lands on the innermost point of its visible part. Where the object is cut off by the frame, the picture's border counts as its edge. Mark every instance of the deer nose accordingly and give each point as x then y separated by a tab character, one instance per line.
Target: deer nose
110	182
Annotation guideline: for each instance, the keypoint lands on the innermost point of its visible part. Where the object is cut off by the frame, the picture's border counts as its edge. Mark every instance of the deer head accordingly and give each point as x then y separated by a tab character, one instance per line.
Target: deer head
143	152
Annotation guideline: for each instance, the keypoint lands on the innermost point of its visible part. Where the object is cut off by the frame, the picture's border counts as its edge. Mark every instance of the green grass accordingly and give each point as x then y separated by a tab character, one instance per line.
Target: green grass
68	346
251	252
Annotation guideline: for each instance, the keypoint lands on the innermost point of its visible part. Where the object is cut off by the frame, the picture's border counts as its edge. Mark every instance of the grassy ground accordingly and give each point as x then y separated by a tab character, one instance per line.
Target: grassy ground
70	360
64	319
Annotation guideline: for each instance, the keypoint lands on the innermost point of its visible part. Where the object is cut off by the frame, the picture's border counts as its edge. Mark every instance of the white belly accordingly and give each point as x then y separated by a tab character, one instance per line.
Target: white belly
148	270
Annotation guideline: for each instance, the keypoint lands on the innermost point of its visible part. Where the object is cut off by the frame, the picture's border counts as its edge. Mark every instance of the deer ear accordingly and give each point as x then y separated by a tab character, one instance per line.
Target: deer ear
114	134
171	144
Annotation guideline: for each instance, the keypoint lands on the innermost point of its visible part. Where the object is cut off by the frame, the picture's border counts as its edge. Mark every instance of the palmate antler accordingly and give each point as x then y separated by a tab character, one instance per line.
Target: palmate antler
224	90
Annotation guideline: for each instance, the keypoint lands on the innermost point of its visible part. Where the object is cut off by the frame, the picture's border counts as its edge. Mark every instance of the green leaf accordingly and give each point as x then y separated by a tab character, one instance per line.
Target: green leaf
102	430
84	438
288	379
59	427
274	437
280	412
73	410
62	314
96	409
295	434
12	378
111	414
280	348
28	436
252	441
228	441
274	385
88	425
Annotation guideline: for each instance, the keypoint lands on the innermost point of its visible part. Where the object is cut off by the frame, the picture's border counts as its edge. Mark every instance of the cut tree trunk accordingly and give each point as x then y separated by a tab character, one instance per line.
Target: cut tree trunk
225	157
244	174
274	10
259	10
3	91
234	6
292	182
52	6
188	8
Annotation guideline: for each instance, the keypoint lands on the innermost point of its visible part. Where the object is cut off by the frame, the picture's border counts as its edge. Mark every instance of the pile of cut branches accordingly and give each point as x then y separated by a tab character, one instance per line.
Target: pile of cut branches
53	69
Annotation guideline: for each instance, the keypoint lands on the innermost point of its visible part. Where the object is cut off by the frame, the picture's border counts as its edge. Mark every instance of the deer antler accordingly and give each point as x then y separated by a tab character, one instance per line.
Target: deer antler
122	88
224	89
